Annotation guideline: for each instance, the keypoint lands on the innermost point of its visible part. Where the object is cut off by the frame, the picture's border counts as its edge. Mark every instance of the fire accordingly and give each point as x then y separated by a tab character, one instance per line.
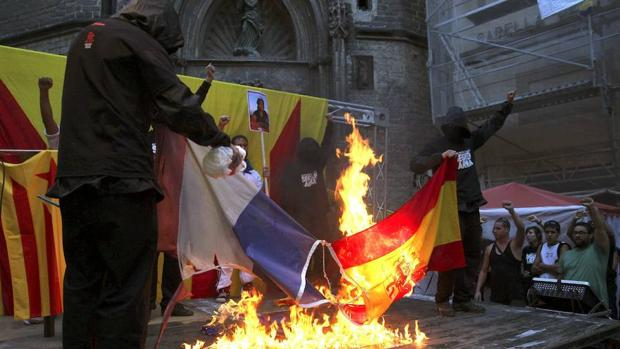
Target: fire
242	327
352	185
302	329
420	336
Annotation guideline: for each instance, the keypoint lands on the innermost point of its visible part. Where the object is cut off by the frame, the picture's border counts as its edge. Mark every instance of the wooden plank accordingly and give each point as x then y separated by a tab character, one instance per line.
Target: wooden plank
499	327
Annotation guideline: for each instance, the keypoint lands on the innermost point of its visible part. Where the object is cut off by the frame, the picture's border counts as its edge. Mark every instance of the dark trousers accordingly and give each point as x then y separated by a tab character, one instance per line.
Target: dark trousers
462	281
170	280
109	244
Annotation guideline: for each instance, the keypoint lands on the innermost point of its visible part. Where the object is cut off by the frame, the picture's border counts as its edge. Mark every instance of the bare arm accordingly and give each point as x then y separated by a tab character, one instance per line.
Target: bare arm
600	227
484	272
517	242
51	128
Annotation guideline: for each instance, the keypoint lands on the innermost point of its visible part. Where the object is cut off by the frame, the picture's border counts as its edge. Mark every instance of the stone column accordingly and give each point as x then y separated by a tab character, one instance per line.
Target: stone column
339	19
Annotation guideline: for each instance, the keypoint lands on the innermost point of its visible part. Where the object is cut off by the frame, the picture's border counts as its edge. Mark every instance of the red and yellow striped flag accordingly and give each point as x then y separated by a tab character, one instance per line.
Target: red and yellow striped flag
387	259
31	258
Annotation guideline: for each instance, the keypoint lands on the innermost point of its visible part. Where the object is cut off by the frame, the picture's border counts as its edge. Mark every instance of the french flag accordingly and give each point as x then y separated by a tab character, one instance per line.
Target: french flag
229	218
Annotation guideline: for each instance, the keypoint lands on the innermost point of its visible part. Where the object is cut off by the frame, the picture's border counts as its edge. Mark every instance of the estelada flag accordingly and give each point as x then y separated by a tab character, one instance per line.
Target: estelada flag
387	259
31	257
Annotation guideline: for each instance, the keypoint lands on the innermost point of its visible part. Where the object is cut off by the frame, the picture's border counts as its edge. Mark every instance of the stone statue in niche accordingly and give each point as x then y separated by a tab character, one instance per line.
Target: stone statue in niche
251	30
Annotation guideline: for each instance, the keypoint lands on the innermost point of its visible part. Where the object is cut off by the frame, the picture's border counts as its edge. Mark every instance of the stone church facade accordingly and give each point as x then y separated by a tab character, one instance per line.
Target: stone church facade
370	52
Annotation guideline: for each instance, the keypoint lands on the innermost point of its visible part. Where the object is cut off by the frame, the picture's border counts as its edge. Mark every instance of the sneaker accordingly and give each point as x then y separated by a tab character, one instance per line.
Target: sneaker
444	309
468	307
223	295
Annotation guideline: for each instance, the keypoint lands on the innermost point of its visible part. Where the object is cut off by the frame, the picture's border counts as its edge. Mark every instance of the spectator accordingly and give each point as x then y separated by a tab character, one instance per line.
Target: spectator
533	234
588	260
225	277
52	132
549	253
612	262
503	258
118	71
457	141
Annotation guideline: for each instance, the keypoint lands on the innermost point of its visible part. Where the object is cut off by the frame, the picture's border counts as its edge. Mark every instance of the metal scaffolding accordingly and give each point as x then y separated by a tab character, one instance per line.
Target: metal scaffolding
373	124
478	49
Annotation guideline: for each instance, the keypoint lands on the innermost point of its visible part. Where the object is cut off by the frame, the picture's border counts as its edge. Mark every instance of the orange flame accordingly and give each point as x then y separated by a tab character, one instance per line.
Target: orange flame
420	337
303	329
352	185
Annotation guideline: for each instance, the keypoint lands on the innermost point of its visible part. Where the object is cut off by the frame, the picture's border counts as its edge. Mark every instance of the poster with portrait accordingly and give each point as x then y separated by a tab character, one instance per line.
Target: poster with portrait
258	112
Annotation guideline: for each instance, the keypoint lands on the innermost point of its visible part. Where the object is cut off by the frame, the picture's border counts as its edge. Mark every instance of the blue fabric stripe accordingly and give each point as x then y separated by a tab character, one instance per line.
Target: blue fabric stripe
278	244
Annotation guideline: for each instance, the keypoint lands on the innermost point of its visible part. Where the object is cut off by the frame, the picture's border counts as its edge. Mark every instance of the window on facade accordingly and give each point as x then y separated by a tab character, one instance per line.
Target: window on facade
364	5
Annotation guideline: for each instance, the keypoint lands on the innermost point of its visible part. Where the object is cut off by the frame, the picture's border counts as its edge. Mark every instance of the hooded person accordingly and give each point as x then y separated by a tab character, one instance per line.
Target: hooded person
119	80
458	141
304	194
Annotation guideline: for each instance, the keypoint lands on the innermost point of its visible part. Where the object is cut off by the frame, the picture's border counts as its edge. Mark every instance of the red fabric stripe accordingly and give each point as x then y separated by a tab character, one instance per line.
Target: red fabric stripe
392	232
29	247
447	256
50	248
171	148
5	275
52	265
284	151
16	130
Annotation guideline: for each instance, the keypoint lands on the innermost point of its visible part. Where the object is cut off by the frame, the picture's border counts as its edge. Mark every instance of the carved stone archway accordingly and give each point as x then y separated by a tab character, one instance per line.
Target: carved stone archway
306	45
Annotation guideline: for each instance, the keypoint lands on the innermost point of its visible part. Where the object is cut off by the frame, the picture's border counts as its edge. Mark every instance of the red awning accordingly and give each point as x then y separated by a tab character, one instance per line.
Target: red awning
523	195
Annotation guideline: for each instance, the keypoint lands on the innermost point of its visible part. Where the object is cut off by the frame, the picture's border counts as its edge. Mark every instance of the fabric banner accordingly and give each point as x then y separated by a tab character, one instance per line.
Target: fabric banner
31	257
387	259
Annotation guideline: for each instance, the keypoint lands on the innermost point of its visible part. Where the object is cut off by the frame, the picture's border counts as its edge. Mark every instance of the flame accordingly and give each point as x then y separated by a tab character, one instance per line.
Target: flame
302	329
352	185
420	337
243	328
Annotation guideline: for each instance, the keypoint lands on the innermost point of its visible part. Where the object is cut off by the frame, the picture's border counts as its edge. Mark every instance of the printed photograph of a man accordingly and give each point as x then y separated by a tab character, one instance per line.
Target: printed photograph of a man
258	111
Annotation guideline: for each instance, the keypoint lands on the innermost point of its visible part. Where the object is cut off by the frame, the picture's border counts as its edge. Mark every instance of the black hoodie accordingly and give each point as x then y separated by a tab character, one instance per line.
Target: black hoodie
119	79
458	137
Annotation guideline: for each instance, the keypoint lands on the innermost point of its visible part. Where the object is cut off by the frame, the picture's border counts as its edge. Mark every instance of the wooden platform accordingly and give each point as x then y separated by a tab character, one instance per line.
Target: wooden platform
499	327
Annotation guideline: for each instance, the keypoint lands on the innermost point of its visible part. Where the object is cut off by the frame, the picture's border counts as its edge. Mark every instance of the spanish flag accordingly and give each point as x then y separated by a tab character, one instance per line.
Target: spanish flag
386	260
31	257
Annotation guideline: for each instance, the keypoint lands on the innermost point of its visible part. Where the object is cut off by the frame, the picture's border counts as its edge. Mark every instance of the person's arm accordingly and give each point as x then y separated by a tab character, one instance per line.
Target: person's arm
491	126
206	84
600	227
517	242
51	127
180	110
484	271
429	159
178	107
532	218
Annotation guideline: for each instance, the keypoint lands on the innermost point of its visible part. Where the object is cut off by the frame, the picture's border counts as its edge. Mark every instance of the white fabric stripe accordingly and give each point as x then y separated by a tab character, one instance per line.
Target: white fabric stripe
314	304
205	228
237	194
302	286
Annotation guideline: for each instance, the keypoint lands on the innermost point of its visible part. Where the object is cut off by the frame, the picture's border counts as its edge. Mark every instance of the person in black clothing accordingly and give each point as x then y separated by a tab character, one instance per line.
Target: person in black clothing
503	259
309	204
458	141
533	234
118	74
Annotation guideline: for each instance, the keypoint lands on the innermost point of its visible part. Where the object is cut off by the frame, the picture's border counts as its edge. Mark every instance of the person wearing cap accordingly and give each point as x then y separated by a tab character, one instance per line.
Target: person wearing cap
458	141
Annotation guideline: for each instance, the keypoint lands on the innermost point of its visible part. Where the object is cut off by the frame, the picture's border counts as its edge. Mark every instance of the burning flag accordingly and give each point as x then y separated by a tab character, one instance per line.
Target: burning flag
383	262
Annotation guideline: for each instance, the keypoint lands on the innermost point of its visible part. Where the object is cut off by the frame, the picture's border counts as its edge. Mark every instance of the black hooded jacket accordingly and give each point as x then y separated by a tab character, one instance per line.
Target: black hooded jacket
119	79
458	138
